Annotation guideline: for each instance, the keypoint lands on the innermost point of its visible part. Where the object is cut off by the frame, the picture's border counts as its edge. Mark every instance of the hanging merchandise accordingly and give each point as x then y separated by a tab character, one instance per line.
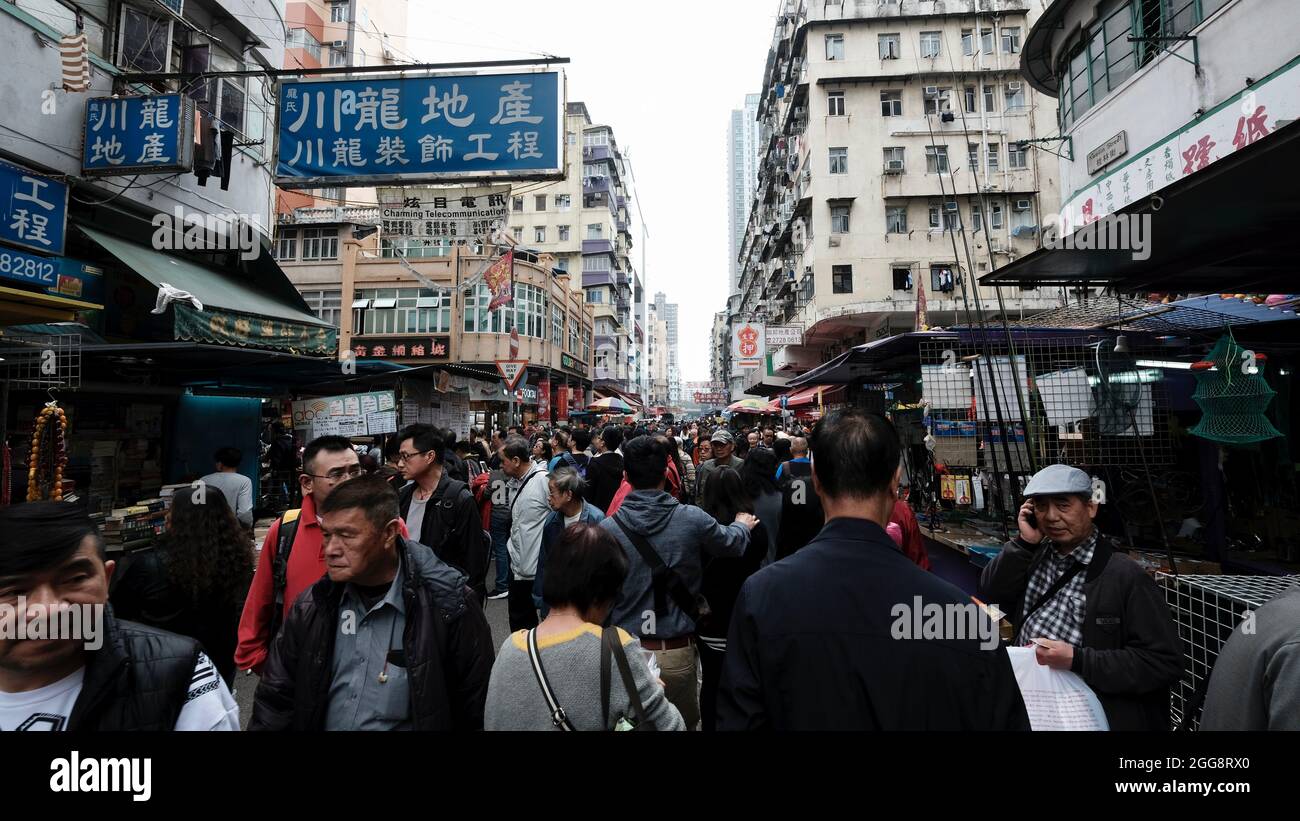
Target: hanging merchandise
978	486
963	490
49	455
1233	395
948	487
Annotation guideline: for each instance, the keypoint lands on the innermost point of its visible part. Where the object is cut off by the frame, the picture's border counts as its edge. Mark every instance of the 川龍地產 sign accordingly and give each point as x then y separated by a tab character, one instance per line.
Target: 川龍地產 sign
420	130
138	135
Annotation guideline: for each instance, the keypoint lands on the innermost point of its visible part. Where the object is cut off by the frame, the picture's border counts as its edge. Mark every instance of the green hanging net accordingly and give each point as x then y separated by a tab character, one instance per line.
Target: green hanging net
1233	397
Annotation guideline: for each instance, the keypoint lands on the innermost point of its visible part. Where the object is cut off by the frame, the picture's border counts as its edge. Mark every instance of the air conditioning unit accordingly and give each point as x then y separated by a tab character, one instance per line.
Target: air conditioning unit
1013	87
894	167
1022	205
339	43
834	242
932	91
807	270
950	207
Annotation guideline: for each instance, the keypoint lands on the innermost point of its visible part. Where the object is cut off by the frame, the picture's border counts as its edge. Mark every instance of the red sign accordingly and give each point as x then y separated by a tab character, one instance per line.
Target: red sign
544	400
562	403
500	280
514	343
402	347
748	342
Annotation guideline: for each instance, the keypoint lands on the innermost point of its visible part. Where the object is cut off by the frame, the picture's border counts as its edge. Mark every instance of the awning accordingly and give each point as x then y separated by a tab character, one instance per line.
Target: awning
1227	228
214	288
878	357
807	396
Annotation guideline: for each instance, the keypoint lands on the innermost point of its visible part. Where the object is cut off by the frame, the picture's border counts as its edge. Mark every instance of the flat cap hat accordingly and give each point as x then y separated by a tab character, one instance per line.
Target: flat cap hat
1055	480
722	435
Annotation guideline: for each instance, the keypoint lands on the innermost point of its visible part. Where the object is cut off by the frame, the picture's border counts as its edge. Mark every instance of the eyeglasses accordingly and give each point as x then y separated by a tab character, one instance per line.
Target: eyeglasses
339	474
406	457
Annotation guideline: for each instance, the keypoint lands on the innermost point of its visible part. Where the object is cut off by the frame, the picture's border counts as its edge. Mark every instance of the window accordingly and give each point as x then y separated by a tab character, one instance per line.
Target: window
896	219
595	138
839	219
518	233
936	159
968	99
973	155
990	99
839	160
1103	58
994	151
944	215
595	264
478	319
539	234
564	233
286	245
835	104
835	47
301	38
942	279
842	279
888	44
539	202
596	230
968	42
338	57
976	218
339	12
1010	39
894	158
902	278
1016	155
986	41
1015	96
891	103
930	43
937	99
517	204
320	243
562	202
595	296
995	215
557	326
326	305
572	347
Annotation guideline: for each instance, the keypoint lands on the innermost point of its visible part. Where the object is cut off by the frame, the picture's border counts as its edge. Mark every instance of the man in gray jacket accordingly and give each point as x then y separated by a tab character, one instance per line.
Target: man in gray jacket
1256	680
665	542
529	511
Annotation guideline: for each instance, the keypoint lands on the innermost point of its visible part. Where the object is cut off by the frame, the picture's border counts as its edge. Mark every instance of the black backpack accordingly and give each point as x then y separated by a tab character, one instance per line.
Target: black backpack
447	517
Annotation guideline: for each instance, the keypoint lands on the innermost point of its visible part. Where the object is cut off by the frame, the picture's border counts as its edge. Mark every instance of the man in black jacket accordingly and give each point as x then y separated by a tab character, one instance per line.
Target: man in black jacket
438	509
605	471
1087	608
823	640
92	671
391	638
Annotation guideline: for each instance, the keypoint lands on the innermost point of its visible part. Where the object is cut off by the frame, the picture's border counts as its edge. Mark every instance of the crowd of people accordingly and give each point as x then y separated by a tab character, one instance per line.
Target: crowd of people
655	577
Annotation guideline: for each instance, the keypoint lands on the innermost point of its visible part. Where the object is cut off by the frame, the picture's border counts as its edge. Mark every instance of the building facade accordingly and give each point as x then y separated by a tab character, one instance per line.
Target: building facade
667	311
742	176
894	160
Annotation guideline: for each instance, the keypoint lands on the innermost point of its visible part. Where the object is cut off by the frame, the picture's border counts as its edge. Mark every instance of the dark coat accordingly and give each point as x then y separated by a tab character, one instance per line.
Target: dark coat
604	475
138	680
812	646
801	509
1131	652
463	547
447	642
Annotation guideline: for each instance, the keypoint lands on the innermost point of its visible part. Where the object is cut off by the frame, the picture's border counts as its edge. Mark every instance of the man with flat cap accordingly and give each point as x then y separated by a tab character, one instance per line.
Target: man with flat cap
1086	606
724	448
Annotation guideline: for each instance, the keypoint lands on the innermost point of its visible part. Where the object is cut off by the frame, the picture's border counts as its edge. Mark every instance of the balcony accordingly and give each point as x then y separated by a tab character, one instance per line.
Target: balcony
597	246
595	153
593	278
597	185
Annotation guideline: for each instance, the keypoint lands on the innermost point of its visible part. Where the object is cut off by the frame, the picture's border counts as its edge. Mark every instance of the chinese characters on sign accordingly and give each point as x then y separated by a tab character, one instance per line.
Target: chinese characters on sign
359	132
569	363
402	347
443	213
500	280
1237	124
33	209
779	336
747	344
138	135
355	414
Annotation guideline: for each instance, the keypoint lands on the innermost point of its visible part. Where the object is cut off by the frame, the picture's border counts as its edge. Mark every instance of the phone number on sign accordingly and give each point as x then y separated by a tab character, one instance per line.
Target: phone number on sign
16	265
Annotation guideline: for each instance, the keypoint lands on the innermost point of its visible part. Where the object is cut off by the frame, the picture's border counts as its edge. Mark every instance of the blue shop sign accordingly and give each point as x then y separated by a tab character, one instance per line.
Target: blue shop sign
420	130
33	209
57	276
138	135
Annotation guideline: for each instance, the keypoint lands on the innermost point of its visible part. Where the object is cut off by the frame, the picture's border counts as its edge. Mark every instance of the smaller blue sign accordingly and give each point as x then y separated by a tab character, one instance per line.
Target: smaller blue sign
29	269
33	209
58	276
138	135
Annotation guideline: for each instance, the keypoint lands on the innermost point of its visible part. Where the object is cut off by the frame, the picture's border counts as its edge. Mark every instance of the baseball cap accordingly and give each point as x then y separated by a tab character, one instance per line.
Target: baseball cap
1056	480
722	435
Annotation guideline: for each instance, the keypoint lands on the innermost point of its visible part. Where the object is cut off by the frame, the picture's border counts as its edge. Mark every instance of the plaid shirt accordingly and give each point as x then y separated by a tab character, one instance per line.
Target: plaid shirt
1062	617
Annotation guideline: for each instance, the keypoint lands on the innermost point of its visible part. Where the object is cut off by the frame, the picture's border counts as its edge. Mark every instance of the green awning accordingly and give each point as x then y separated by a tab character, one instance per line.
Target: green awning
217	290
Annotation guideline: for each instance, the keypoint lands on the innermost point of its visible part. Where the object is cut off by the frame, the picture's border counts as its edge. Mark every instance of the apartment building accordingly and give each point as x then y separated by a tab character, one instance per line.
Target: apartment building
667	311
742	176
584	222
895	158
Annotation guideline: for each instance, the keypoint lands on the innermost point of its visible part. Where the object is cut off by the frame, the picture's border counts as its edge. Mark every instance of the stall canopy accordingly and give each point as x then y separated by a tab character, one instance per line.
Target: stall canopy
1229	226
807	396
236	311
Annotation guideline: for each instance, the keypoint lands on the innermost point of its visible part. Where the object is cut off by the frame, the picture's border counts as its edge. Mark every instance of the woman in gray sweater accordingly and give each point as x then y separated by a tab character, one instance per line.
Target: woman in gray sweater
583	575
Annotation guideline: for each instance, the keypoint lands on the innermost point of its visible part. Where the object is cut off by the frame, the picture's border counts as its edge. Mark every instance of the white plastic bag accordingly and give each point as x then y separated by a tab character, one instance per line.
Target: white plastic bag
1055	699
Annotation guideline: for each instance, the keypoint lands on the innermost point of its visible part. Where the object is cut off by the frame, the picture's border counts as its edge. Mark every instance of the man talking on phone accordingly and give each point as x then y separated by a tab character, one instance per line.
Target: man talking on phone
1085	606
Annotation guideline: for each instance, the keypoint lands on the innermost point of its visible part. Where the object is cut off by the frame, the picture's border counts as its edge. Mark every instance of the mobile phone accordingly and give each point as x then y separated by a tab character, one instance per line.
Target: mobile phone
1031	519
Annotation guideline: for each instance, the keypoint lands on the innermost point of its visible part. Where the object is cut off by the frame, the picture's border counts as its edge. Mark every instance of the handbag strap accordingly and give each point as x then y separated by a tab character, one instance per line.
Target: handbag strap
611	648
1061	581
667	580
558	716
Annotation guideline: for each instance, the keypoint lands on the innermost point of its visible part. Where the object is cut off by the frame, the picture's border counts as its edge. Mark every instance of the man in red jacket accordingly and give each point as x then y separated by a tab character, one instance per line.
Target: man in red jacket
327	462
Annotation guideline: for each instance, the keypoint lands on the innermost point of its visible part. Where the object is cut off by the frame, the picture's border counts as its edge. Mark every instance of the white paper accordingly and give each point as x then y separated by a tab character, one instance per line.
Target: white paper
1055	699
1067	396
1001	378
386	401
377	423
369	404
946	388
1115	419
336	407
351	406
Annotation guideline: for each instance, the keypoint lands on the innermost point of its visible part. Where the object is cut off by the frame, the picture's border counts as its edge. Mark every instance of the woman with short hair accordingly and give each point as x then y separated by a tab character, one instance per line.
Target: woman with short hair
549	678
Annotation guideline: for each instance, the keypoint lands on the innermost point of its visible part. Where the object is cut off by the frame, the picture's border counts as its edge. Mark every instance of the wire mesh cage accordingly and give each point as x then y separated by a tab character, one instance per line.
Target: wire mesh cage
41	362
1207	609
1073	400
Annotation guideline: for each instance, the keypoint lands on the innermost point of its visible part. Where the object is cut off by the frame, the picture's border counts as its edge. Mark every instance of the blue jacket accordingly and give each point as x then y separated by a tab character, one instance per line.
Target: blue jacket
551	533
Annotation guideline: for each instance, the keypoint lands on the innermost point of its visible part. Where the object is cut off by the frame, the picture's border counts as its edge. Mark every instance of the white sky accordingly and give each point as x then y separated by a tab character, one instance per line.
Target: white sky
665	77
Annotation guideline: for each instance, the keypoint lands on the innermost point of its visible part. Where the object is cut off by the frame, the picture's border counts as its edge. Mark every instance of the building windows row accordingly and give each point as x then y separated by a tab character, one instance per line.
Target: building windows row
942	215
944	278
930	43
316	244
936	158
401	311
527	312
562	203
326	305
938	99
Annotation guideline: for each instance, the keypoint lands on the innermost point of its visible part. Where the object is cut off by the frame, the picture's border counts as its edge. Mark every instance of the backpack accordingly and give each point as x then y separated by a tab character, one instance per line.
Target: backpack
572	461
479	554
280	565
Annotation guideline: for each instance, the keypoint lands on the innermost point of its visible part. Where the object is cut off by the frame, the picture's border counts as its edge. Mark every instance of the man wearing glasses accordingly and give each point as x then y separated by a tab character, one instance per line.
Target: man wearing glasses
327	462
